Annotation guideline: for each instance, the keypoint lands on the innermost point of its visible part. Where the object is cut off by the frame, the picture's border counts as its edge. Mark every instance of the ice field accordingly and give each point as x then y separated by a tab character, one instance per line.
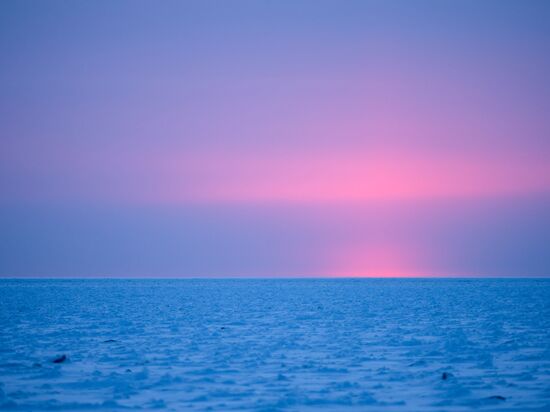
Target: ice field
275	345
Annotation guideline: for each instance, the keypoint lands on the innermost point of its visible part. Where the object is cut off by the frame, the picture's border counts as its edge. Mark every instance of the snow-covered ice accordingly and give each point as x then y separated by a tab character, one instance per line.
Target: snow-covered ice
275	345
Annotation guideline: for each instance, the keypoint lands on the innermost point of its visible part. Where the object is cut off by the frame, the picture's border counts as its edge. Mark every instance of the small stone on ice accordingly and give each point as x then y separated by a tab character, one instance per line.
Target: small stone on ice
446	375
60	359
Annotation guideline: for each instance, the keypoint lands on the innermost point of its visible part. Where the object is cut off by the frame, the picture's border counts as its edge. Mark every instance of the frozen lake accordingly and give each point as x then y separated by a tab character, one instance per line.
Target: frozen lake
275	345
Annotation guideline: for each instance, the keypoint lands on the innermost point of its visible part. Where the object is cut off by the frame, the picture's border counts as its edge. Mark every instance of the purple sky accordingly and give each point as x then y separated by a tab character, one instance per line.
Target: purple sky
264	138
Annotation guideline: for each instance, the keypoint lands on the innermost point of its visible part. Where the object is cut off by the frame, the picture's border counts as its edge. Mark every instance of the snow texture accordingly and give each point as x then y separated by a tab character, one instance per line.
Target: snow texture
275	345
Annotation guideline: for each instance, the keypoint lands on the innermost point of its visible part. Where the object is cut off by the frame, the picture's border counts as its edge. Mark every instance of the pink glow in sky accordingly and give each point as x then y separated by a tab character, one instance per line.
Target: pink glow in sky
294	177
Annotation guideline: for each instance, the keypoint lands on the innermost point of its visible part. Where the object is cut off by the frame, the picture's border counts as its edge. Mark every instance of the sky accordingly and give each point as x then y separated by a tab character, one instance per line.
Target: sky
274	138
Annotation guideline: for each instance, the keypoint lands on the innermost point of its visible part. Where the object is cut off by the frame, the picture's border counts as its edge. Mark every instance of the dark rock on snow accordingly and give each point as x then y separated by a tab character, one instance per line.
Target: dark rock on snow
60	359
446	375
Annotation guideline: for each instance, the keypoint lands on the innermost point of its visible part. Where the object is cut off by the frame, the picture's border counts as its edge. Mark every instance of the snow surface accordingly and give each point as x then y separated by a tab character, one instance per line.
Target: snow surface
270	345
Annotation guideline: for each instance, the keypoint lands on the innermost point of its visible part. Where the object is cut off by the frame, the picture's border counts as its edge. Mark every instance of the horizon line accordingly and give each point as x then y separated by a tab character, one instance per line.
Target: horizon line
290	277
